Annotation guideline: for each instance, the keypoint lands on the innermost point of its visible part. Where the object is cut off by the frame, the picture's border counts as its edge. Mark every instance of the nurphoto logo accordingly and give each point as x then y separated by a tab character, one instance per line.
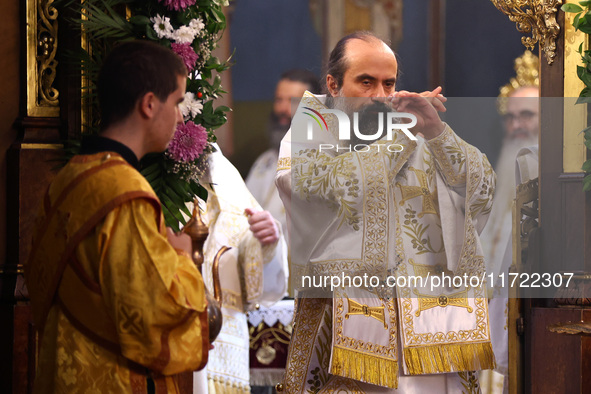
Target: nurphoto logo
394	121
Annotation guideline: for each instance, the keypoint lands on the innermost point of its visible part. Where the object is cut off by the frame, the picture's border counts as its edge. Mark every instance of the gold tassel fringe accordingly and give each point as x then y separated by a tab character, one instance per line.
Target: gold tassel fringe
364	367
449	358
220	385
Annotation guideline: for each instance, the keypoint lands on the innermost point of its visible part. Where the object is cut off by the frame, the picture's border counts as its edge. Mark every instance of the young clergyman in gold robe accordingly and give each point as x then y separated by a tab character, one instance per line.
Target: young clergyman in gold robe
117	300
381	213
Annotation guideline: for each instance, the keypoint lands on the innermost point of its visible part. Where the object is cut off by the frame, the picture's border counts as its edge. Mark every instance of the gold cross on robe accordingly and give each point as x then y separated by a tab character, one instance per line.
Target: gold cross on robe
457	299
376	312
429	199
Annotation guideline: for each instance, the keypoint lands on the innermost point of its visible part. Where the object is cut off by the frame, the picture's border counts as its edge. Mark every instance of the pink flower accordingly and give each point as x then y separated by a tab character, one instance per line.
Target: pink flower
188	142
178	5
187	53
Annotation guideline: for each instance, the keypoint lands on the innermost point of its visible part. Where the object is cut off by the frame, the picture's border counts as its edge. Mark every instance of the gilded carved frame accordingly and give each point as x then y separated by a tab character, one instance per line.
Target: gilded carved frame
537	17
42	97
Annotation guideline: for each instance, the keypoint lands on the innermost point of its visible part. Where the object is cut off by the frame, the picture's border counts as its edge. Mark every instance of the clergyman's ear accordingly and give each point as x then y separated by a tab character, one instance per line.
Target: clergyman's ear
332	86
146	105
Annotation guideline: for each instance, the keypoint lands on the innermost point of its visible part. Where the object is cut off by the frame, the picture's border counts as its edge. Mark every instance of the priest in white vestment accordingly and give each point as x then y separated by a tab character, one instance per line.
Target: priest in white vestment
517	163
411	205
253	273
261	178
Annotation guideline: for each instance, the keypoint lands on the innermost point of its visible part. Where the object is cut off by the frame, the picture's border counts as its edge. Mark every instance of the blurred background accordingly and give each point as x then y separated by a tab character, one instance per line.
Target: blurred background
466	46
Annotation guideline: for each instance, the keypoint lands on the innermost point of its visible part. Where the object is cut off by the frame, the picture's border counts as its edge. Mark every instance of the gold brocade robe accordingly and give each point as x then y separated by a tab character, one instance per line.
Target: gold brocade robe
113	301
412	211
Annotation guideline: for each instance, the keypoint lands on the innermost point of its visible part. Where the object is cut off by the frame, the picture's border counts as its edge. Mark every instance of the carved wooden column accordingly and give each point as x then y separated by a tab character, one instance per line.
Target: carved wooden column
551	332
49	108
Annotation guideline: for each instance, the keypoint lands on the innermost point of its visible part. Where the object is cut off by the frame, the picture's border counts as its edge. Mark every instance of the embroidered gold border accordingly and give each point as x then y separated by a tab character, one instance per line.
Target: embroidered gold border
481	332
452	176
284	163
308	315
469	262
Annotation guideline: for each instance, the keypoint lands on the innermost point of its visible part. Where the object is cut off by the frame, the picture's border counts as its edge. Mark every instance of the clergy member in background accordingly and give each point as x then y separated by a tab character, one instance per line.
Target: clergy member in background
519	107
261	178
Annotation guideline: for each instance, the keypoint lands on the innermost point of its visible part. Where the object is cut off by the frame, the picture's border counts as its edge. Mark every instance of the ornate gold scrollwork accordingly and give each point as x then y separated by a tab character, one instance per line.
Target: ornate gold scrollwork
42	96
537	17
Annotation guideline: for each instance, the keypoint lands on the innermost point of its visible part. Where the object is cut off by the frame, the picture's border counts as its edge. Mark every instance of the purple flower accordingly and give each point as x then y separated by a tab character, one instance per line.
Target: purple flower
188	142
187	53
178	5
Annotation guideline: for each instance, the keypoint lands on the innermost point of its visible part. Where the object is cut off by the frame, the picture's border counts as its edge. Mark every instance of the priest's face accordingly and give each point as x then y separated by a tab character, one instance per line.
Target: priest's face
285	92
371	70
284	106
522	119
368	81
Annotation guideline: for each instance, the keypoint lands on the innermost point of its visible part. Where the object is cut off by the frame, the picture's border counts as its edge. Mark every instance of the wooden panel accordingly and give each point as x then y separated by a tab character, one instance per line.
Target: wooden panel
436	43
30	163
18	357
556	359
30	170
571	229
551	159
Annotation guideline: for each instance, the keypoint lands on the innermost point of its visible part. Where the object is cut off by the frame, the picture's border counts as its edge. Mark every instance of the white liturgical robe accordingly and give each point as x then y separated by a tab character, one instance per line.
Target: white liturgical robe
399	212
250	274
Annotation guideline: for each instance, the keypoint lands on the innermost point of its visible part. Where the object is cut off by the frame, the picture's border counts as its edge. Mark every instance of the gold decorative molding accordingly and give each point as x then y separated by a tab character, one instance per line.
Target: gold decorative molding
537	17
41	146
42	96
571	328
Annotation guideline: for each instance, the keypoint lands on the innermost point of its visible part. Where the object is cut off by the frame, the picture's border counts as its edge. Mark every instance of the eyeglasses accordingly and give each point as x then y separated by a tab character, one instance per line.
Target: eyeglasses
521	117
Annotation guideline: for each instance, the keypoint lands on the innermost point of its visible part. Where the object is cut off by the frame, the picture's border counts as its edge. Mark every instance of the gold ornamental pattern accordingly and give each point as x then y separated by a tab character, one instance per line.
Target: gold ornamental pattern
536	17
42	44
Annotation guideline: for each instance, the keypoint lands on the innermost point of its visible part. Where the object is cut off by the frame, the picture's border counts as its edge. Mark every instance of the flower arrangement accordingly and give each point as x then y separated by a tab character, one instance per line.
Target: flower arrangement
191	28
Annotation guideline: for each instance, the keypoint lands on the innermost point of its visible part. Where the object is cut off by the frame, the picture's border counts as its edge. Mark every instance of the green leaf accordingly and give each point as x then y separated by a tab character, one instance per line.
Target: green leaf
181	188
585	25
587	183
570	7
584	75
150	33
200	192
170	195
173	209
140	20
223	108
576	21
587	166
169	219
583	100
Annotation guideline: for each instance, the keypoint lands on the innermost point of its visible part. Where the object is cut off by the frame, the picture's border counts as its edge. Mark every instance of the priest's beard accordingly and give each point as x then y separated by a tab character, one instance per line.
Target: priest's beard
505	168
276	131
368	120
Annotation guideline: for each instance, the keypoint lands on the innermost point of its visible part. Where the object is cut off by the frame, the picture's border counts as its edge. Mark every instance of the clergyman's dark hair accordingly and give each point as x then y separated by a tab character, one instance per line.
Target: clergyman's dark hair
131	70
337	61
303	76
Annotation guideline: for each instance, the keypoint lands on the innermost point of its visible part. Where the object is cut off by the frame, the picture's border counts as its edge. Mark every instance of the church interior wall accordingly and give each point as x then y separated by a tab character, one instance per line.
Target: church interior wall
479	45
